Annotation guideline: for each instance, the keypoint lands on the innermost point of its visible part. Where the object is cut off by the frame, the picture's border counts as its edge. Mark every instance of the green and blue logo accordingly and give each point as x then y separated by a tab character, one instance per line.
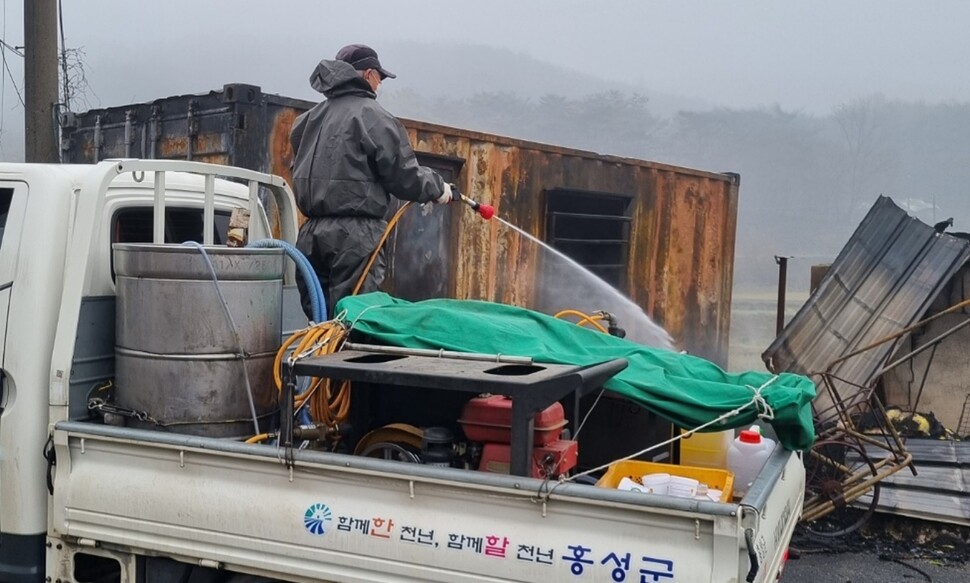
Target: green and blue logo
317	519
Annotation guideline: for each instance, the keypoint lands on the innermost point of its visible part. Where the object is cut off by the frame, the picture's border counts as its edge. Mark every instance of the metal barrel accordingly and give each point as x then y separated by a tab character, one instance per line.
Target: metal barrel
177	357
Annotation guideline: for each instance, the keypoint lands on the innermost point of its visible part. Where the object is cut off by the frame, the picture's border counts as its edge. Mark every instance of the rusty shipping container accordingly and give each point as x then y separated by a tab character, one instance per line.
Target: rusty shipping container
662	235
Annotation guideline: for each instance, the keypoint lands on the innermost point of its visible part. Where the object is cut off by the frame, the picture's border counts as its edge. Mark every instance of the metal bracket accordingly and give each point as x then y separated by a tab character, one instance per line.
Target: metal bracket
102	406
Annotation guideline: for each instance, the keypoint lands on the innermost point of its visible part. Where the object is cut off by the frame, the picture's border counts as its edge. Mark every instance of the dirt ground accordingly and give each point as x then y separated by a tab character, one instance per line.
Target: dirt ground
886	549
869	567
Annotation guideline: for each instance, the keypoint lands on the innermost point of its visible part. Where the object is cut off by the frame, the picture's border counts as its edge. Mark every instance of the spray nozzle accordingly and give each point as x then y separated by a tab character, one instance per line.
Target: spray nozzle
486	211
614	327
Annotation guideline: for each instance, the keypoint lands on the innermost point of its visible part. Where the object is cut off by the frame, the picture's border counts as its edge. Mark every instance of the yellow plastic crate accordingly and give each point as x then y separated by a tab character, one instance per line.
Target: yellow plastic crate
722	480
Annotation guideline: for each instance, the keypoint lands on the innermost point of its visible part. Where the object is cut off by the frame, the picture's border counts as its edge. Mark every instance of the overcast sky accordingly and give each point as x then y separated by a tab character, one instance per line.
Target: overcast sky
807	56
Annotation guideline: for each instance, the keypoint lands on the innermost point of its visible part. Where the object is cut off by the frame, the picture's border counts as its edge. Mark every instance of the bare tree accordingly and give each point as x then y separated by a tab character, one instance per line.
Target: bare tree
74	82
864	131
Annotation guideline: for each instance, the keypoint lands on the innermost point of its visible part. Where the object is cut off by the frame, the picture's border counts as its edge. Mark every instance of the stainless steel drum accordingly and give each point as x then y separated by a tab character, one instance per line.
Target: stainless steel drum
176	355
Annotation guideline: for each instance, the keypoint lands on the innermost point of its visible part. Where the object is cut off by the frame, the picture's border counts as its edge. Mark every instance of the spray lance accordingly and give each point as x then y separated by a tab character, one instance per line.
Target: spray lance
486	211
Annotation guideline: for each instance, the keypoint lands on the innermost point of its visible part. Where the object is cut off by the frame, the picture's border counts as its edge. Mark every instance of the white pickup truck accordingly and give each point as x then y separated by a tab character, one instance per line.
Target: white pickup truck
86	501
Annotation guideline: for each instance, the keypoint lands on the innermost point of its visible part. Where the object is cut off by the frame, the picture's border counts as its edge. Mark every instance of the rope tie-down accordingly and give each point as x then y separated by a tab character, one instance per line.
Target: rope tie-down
765	413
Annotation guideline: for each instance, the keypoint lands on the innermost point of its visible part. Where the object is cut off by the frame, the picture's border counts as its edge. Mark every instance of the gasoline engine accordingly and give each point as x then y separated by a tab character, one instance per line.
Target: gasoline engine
486	422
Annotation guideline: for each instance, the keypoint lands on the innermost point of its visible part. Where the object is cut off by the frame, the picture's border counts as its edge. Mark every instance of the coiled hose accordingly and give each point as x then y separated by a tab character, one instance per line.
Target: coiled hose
327	401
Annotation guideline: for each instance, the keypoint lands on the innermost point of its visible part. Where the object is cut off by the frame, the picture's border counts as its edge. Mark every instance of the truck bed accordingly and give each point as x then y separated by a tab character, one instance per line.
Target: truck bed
350	519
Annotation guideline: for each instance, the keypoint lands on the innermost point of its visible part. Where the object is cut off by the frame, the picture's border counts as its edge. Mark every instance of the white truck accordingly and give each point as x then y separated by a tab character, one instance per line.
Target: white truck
86	501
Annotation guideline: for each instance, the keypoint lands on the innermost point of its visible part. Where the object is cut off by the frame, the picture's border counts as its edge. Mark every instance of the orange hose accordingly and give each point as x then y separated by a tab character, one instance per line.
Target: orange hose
584	319
377	251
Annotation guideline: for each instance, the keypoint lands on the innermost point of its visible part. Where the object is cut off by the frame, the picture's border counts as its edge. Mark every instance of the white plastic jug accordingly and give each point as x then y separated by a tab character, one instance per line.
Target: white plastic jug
747	455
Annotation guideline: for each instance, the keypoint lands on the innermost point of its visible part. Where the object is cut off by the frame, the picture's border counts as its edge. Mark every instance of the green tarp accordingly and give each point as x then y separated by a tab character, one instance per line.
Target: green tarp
686	390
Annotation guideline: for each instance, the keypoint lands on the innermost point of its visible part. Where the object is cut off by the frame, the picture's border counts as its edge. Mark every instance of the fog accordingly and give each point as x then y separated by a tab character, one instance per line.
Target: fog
804	56
821	106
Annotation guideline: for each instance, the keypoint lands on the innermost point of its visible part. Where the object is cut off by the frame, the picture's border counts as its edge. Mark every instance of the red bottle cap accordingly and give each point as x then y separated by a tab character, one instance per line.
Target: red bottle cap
748	436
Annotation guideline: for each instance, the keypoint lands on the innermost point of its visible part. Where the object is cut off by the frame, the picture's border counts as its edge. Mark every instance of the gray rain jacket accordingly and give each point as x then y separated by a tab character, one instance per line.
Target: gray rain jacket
349	155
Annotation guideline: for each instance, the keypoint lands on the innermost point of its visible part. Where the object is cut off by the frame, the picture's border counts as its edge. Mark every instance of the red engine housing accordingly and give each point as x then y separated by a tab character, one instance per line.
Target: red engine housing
489	420
564	455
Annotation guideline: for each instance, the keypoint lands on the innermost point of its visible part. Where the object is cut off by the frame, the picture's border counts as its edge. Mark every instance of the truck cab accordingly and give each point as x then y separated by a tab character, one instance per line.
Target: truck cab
47	212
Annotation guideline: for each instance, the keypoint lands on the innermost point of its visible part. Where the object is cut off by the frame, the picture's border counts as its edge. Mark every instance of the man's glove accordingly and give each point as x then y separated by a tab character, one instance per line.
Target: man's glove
450	194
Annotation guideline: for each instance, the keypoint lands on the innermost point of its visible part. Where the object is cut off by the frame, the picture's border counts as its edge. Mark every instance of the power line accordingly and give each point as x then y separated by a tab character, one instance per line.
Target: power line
12	80
11	48
4	47
66	99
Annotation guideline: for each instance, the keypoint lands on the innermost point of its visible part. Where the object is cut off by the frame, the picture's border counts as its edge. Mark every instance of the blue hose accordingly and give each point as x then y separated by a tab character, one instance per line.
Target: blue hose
303	415
318	302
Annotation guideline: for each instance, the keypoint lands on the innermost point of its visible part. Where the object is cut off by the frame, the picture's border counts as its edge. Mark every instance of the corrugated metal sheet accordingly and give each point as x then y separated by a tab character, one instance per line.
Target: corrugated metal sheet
884	279
941	490
682	229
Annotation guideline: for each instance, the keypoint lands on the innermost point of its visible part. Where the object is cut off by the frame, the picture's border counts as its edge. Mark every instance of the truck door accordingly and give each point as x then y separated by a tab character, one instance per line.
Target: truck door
13	197
9	245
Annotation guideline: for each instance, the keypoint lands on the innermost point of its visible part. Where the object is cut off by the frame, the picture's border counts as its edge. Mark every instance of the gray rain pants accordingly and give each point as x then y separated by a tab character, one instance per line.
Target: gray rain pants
338	249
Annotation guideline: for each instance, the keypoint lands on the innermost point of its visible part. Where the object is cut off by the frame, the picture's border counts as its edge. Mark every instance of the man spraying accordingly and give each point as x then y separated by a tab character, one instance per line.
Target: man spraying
350	155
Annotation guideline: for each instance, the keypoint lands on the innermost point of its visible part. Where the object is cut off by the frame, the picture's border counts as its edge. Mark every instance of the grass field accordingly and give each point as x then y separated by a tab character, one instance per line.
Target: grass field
753	314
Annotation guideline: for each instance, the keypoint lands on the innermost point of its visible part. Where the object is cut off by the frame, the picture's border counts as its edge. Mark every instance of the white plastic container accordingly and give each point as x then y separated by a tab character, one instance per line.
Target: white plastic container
747	455
656	483
682	487
629	485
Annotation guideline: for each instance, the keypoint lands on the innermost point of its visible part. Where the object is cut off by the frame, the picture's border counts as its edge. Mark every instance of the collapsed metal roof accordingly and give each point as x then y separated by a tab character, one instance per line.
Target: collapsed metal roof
882	282
941	491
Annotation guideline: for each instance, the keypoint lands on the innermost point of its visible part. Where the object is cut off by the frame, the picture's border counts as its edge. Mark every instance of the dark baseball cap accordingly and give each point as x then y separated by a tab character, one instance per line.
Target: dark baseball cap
362	57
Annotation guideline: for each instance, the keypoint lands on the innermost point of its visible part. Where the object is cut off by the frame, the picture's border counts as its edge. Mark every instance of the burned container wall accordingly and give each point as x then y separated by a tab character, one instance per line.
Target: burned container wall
420	262
683	250
239	126
680	227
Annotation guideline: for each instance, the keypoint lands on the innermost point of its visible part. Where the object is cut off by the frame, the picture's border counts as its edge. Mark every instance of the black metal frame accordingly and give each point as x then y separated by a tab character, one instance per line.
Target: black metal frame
532	388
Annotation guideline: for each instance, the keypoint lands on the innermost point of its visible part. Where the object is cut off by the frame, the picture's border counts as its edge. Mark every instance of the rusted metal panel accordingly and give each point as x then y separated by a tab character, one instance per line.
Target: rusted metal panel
202	148
703	277
520	204
681	244
473	136
682	226
280	122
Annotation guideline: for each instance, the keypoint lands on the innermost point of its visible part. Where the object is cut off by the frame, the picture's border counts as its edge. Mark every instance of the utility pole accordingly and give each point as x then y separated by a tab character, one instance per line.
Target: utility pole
40	80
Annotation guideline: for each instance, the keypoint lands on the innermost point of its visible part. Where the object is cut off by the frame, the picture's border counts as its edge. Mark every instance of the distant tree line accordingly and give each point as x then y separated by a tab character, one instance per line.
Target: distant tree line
806	180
